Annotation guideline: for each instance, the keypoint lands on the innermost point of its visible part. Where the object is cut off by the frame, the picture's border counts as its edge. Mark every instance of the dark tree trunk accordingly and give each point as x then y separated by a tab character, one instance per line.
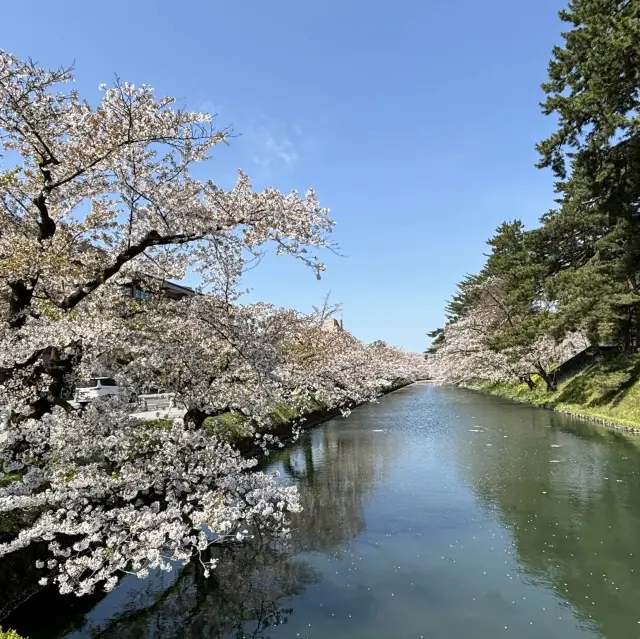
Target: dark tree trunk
529	382
195	417
626	333
548	379
19	302
58	365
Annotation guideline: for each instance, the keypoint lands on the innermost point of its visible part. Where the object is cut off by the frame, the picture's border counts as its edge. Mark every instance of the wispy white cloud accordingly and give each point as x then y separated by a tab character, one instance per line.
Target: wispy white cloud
280	150
270	145
206	106
273	146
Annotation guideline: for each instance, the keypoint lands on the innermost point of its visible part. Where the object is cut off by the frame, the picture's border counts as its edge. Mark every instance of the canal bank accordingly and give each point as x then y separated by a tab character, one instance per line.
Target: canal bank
287	421
606	392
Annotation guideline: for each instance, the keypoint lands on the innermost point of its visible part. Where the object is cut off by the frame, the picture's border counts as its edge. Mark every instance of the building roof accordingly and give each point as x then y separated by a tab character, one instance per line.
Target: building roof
178	288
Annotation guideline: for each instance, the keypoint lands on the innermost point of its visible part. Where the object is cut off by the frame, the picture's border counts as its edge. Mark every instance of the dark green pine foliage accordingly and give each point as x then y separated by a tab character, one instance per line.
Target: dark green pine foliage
592	241
519	270
514	262
464	298
437	340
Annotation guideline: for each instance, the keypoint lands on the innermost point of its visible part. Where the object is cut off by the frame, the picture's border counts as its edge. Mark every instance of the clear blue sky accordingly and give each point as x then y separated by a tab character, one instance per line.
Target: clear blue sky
414	120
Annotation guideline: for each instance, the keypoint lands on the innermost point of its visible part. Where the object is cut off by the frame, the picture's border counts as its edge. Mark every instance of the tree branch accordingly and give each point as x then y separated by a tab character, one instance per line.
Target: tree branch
152	238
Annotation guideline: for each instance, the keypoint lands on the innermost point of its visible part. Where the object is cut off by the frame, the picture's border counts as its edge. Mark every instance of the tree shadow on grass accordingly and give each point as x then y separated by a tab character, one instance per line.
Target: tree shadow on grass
614	396
602	384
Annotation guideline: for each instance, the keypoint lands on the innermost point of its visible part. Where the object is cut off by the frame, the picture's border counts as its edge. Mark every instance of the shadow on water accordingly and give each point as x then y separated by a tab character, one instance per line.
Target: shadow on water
21	596
244	597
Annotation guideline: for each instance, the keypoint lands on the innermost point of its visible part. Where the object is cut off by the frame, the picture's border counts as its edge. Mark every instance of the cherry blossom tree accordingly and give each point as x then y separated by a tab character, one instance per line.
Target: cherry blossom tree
220	357
467	348
215	356
339	370
93	198
464	355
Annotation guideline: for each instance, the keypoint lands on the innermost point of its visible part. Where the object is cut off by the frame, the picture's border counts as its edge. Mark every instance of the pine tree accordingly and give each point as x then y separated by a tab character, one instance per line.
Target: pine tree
592	241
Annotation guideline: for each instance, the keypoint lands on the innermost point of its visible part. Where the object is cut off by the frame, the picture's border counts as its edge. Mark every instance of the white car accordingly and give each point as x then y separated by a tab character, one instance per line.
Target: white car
96	387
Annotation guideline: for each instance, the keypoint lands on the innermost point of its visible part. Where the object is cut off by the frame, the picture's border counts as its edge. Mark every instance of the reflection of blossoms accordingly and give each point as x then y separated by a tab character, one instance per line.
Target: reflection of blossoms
247	596
101	198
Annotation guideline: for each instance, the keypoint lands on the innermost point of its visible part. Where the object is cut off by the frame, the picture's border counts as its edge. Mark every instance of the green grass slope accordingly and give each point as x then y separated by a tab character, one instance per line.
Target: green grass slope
606	391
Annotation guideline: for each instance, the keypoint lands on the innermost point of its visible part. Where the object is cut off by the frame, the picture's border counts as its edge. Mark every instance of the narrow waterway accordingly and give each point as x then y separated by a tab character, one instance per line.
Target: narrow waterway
437	513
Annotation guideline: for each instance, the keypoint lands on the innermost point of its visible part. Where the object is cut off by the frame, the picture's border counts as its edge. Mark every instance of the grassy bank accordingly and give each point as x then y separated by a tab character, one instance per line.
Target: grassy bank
607	392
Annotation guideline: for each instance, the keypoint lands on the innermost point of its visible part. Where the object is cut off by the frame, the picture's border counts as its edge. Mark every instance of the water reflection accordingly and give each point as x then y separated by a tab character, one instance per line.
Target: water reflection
569	494
336	469
437	513
245	597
